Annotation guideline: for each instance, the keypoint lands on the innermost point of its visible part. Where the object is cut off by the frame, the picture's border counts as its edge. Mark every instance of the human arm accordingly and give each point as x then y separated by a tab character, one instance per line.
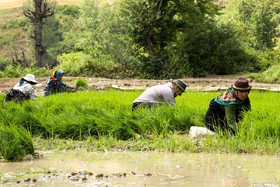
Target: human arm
169	98
230	111
33	95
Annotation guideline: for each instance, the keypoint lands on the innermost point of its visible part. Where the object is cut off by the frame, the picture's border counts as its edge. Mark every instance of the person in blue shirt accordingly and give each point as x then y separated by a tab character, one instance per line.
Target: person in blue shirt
228	108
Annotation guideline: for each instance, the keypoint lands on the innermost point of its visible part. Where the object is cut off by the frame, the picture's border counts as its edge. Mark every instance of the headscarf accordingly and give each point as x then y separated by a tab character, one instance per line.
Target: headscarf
21	81
55	75
228	98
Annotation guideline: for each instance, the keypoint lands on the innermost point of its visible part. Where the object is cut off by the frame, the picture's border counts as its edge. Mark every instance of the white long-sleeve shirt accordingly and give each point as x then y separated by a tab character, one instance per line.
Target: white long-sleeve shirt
27	89
158	94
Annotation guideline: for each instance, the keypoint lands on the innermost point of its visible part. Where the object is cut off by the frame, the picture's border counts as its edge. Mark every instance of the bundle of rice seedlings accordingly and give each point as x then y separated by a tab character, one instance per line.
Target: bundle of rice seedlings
81	83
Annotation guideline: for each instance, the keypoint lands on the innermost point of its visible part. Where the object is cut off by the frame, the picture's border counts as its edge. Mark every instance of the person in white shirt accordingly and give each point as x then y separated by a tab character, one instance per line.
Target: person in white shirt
23	90
160	94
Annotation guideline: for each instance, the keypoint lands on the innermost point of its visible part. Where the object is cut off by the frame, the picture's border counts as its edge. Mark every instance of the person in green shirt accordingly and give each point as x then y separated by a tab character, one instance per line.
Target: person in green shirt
227	109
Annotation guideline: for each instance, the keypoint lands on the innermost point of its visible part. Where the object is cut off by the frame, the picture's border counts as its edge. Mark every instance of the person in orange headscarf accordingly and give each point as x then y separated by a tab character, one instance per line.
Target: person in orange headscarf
55	84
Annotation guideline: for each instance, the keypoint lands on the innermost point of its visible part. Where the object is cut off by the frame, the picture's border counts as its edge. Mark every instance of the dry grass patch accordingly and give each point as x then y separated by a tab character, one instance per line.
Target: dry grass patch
10	4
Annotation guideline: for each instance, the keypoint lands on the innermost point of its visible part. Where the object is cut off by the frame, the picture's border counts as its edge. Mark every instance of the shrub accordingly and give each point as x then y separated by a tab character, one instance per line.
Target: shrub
272	74
19	71
4	62
13	24
79	63
71	10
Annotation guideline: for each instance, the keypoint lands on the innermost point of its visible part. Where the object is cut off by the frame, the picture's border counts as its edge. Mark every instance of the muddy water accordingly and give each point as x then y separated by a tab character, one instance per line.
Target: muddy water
142	169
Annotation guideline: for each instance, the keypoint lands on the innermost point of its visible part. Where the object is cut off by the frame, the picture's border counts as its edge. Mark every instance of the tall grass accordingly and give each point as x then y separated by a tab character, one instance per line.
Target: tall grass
79	116
15	142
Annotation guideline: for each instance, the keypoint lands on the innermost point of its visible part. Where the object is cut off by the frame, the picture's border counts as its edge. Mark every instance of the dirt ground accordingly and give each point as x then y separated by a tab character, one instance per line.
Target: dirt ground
210	83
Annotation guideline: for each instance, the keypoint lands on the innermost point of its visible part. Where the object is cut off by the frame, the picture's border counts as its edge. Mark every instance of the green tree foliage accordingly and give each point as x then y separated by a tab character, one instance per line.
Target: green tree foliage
157	38
70	10
152	26
54	35
213	49
183	39
254	20
265	26
103	29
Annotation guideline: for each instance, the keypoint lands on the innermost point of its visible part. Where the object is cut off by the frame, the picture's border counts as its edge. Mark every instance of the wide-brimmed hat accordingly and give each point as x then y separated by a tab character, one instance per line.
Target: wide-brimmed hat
241	84
30	78
181	84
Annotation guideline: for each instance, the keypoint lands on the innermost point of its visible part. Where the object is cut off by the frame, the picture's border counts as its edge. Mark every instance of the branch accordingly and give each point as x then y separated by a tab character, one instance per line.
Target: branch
47	11
29	14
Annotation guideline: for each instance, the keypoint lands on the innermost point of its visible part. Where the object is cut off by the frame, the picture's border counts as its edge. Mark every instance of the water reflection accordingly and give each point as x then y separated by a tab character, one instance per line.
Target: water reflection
145	169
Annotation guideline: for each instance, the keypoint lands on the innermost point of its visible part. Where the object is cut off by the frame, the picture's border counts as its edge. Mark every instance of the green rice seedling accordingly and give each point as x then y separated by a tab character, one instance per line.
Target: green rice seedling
81	83
78	116
26	114
15	143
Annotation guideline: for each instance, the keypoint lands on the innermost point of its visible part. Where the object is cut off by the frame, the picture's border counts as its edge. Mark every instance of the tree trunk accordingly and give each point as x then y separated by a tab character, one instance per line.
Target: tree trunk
39	48
42	10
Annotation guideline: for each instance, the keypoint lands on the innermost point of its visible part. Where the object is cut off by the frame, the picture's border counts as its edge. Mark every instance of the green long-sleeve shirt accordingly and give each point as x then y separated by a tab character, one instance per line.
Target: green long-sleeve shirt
230	111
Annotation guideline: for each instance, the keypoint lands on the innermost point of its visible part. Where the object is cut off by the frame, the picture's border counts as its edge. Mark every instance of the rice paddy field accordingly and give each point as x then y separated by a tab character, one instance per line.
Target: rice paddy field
104	121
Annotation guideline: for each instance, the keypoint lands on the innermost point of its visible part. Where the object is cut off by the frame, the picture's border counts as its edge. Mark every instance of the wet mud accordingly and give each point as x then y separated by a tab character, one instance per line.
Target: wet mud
142	169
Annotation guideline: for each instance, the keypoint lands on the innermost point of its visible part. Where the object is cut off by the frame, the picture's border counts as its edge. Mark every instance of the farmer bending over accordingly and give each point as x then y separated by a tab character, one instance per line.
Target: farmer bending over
160	94
23	90
225	110
55	85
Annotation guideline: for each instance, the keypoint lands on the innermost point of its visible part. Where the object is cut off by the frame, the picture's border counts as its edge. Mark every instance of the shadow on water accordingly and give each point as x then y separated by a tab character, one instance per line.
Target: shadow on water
142	169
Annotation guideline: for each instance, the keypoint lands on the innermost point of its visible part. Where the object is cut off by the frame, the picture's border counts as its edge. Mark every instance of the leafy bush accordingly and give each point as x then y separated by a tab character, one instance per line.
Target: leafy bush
13	24
70	10
269	57
214	51
4	62
79	63
271	75
15	142
19	71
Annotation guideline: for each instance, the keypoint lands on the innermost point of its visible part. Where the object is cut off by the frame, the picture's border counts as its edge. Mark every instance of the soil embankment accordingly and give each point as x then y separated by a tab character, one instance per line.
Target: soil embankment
211	83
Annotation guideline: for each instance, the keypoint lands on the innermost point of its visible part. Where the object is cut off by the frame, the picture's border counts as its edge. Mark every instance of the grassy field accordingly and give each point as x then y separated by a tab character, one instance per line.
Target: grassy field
103	121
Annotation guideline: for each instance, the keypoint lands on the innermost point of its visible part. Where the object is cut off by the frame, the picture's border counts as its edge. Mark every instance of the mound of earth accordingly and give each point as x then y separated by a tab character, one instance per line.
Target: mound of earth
210	83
